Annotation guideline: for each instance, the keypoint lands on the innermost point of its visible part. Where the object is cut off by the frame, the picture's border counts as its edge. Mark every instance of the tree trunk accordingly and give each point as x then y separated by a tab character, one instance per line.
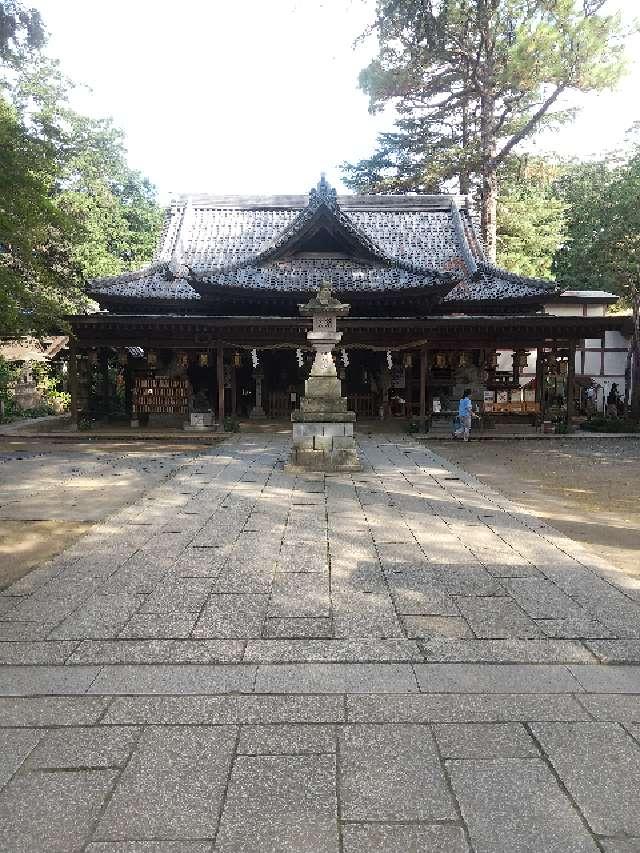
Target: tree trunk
635	357
488	141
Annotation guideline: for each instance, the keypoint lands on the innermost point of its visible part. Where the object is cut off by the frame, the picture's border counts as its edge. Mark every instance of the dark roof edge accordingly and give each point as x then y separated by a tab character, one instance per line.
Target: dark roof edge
381	202
497	272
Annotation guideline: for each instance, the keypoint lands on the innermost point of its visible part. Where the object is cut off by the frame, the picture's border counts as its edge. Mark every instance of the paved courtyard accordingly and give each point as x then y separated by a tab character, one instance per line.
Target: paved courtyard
242	660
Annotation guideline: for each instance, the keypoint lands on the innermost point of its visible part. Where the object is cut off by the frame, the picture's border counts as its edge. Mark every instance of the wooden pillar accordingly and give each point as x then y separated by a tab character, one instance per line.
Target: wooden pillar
571	383
540	378
72	380
128	390
104	381
423	389
234	391
220	376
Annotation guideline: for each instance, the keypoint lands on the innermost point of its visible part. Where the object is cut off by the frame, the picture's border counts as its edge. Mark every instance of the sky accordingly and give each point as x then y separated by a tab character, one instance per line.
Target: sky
256	96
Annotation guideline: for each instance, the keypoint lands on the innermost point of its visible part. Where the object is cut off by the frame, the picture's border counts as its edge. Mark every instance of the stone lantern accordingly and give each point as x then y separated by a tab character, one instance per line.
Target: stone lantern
323	437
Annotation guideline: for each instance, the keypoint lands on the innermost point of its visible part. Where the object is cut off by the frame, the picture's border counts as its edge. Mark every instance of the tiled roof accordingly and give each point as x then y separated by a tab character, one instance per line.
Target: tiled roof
306	274
250	242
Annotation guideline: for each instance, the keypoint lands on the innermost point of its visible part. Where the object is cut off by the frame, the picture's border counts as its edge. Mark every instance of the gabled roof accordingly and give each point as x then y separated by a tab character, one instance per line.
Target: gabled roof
212	245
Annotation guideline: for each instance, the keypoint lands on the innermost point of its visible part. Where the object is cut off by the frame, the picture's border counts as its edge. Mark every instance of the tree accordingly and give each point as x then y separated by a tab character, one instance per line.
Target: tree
70	207
531	216
21	31
472	79
602	250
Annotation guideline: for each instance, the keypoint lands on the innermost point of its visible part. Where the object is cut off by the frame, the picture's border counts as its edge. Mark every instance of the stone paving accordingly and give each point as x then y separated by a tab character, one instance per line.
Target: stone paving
398	660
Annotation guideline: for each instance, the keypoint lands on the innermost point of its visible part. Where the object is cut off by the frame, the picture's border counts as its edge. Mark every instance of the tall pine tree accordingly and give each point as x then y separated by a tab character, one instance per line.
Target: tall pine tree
471	79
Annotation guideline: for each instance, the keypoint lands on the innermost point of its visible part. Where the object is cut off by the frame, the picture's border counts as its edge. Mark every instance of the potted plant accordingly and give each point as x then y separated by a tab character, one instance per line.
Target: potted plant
201	414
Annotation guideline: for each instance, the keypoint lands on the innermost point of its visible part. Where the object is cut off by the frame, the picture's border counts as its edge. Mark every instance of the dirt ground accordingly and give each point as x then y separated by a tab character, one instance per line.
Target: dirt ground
53	492
588	489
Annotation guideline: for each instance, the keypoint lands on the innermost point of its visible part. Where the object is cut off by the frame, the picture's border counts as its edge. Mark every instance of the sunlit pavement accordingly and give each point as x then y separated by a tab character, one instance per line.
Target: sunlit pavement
242	660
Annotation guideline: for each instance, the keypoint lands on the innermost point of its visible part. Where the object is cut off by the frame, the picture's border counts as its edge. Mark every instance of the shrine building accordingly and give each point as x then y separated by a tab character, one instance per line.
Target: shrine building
215	317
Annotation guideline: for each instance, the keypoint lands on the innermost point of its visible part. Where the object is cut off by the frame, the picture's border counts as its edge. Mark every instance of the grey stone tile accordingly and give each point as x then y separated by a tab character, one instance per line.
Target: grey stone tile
505	651
391	773
290	709
15	746
277	803
335	678
300	595
600	765
31	680
83	748
172	787
621	845
102	616
331	651
614	707
184	596
149	847
466	580
171	710
174	678
615	651
467	708
398	838
286	739
436	626
232	616
37	652
51	710
28	631
582	627
47	812
517	805
600	678
159	626
310	558
540	599
158	651
495	678
497	618
484	740
298	628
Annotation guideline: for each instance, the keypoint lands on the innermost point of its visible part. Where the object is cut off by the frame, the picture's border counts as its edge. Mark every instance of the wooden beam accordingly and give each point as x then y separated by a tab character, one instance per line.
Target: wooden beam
220	377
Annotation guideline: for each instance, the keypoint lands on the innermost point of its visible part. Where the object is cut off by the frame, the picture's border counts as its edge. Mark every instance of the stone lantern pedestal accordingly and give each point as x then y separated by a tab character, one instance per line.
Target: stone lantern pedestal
323	429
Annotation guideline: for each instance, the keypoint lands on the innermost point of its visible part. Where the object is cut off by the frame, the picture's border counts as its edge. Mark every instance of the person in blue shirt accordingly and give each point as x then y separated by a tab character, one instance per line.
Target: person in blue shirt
465	413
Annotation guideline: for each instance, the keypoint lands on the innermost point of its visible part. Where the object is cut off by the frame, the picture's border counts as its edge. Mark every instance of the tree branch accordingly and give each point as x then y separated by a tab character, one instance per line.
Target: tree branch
526	129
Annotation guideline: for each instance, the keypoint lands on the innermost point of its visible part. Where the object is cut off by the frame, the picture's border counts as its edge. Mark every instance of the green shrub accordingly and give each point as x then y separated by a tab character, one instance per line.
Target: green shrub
600	423
231	425
412	426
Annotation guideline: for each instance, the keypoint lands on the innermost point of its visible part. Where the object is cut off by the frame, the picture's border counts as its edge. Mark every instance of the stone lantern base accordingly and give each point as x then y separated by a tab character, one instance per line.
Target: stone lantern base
324	443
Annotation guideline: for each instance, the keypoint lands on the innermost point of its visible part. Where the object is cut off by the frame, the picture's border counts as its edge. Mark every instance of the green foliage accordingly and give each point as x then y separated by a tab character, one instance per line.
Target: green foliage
231	425
471	79
531	216
21	31
602	424
70	207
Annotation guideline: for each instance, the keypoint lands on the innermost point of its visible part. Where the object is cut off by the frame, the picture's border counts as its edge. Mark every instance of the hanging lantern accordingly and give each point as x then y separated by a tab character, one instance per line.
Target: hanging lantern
389	360
563	368
299	357
254	358
441	359
203	359
237	359
407	361
123	357
182	360
463	359
492	360
345	358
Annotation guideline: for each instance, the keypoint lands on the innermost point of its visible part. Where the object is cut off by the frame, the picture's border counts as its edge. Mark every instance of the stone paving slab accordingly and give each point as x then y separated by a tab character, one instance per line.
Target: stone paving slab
247	660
